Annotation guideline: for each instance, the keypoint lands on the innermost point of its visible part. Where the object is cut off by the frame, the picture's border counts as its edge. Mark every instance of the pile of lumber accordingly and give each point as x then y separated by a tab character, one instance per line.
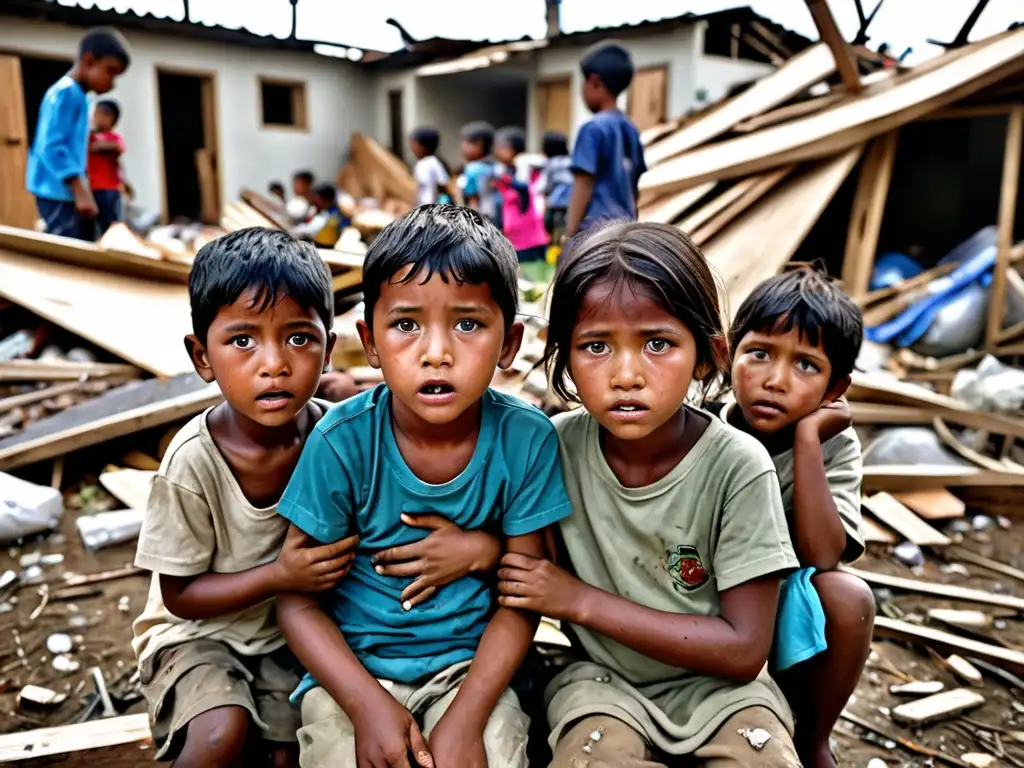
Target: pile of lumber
379	185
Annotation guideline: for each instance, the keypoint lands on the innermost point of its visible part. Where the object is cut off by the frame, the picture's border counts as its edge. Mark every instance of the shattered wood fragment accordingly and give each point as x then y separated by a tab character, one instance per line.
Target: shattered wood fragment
1004	658
917	688
36	698
963	669
938	504
960	553
948	591
961	619
903	521
937	707
65	739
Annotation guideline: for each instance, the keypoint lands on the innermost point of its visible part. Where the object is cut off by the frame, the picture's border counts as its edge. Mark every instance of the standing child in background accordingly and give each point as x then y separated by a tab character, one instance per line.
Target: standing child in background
300	206
795	340
677	540
276	189
105	149
328	222
522	206
477	179
608	158
213	664
556	183
431	175
57	163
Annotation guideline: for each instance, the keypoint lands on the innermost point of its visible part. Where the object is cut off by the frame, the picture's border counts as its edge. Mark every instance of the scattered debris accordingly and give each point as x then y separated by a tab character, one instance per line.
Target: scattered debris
963	669
59	643
917	688
34	697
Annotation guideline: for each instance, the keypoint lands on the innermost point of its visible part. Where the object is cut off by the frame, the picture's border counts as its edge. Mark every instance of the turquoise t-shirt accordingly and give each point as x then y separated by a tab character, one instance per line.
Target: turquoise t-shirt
351	478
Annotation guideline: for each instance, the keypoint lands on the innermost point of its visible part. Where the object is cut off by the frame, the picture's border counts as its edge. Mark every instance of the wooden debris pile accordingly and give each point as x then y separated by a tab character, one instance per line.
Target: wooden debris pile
379	185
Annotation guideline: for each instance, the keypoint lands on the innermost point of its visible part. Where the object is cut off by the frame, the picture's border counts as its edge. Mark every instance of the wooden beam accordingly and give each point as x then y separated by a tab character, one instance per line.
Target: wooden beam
1004	658
754	189
891	512
966	113
935	589
868	211
1007	213
829	33
29	745
667	209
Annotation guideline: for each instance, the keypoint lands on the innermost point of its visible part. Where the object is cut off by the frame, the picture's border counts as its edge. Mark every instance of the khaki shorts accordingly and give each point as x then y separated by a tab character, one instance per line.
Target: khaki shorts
328	740
602	741
192	678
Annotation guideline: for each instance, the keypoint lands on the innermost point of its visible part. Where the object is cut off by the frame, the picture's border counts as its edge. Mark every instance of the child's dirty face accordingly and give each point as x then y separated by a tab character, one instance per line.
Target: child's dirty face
438	344
472	150
268	364
99	72
779	378
631	361
505	154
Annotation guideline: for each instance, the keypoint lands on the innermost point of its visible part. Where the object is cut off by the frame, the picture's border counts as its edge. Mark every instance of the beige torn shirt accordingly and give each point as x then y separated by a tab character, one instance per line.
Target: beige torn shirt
844	471
198	521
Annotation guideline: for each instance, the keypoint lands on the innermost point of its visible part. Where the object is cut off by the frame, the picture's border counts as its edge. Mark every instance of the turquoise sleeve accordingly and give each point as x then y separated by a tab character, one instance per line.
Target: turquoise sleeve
541	499
319	498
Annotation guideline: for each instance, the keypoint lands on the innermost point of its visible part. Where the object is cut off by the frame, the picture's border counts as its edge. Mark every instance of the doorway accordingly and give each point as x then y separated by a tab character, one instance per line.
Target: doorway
395	121
554	105
188	130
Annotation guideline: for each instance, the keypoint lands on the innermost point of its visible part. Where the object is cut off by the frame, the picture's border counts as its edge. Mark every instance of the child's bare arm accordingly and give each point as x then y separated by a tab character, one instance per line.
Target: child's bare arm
299	566
733	646
582	192
447	554
458	737
386	732
819	537
106	147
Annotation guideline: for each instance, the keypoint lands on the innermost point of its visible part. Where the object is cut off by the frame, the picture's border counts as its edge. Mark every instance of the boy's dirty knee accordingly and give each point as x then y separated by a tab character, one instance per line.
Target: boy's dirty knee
754	738
601	741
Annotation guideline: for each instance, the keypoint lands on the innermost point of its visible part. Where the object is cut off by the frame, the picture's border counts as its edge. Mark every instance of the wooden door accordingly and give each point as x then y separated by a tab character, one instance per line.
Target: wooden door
206	158
17	208
554	105
647	97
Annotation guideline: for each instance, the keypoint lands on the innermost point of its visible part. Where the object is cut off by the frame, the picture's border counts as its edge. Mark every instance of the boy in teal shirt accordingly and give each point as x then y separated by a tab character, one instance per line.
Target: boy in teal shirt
440	287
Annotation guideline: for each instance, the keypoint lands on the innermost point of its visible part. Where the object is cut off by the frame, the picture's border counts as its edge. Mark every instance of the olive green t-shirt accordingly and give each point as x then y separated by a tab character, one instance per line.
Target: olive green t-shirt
844	471
713	523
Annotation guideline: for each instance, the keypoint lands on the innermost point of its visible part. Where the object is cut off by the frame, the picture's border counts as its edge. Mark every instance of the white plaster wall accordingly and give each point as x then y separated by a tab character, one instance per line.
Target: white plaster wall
339	99
717	74
382	84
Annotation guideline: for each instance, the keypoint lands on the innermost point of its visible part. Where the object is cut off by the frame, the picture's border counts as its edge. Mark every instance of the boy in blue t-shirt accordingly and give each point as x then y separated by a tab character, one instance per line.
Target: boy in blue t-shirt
441	294
57	162
608	158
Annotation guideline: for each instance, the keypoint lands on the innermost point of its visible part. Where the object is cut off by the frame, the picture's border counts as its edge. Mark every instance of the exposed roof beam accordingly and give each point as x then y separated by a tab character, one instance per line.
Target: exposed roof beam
846	63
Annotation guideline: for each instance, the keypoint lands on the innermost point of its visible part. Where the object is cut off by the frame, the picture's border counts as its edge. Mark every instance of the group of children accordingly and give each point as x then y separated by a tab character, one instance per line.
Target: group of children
383	562
74	168
536	205
313	208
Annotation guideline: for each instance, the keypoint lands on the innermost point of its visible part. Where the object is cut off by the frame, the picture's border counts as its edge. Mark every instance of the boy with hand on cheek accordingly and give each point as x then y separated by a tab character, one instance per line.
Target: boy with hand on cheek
441	294
794	342
213	663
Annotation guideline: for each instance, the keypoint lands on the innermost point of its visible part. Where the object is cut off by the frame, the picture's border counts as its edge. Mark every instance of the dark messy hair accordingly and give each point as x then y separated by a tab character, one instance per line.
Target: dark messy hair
511	136
454	242
807	300
276	187
272	263
102	42
428	137
555	144
656	260
479	131
110	106
612	64
327	192
306	176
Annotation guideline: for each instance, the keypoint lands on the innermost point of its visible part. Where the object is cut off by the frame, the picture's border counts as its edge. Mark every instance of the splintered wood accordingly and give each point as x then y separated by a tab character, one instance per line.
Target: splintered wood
937	707
899	518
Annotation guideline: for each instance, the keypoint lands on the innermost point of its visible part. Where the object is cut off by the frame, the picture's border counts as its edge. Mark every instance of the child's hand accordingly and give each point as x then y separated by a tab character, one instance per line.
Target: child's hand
829	420
386	734
302	567
447	554
538	585
85	204
456	745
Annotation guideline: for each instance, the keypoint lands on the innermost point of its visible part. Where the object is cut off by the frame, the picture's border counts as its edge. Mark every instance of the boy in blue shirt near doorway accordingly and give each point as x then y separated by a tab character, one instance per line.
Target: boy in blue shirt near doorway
392	683
58	159
608	157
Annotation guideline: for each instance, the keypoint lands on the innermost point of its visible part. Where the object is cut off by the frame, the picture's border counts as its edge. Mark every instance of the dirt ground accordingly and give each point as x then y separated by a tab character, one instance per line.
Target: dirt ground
102	637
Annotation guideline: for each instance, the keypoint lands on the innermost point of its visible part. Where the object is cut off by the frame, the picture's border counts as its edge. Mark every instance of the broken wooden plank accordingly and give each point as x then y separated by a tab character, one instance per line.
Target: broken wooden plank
913	94
876	534
61	370
922	477
868	210
960	553
939	504
105	308
754	189
936	707
37	395
667	209
1006	217
948	591
1004	658
120	411
64	739
963	669
961	619
758	244
846	62
795	76
917	688
965	451
903	521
